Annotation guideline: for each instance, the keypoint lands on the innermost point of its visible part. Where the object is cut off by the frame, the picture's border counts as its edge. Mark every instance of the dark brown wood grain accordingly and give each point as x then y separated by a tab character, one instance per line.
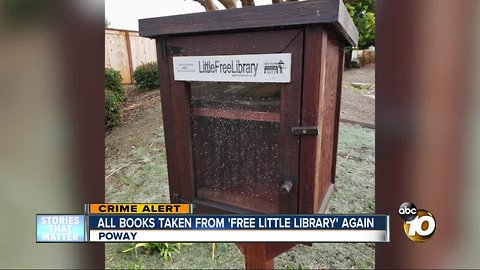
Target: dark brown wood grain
328	121
256	256
315	49
257	205
269	16
167	111
320	107
337	111
311	173
237	114
180	99
232	157
207	163
290	117
210	207
275	41
275	249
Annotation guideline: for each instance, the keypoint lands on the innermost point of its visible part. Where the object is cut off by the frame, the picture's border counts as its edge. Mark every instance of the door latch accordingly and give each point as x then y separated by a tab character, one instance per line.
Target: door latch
300	131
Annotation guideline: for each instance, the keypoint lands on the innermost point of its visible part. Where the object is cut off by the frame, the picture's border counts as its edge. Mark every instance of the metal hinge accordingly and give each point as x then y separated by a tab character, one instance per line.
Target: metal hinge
300	131
175	50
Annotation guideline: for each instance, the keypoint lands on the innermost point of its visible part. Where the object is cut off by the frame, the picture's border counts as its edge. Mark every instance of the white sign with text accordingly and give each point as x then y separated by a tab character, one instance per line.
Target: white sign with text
273	68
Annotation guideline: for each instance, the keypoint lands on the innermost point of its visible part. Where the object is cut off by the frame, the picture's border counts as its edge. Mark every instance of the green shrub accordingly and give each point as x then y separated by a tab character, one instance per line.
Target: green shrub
165	250
355	64
113	109
367	57
114	95
113	82
146	76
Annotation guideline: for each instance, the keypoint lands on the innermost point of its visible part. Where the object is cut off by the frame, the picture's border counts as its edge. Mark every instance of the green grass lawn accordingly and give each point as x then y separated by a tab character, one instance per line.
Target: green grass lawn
144	180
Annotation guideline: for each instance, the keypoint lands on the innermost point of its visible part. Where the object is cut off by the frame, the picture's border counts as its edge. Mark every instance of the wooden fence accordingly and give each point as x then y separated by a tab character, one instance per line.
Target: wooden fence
125	50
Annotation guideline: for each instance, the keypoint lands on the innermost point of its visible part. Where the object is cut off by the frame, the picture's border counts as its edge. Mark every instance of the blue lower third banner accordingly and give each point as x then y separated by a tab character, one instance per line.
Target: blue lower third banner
228	228
61	228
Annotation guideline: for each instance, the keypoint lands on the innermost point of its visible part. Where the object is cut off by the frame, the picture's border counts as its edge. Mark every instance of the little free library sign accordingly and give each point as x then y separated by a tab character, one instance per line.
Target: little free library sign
234	68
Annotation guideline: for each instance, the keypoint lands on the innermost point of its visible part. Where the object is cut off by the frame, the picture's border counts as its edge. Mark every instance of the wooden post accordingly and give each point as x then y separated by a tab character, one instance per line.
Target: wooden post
262	255
129	54
256	256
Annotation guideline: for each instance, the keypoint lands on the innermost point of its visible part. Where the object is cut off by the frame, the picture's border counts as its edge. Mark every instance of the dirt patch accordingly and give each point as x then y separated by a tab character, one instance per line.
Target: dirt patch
357	106
365	74
358	103
142	118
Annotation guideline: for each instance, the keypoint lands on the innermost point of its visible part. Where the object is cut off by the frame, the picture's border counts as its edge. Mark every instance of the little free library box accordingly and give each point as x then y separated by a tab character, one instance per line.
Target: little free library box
251	102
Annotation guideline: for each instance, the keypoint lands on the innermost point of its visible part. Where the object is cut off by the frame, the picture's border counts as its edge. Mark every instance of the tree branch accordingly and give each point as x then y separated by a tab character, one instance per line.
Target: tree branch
210	5
201	2
228	3
248	3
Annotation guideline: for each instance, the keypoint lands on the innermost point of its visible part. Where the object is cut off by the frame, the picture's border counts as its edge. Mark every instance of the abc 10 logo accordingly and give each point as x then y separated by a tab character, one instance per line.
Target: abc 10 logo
419	225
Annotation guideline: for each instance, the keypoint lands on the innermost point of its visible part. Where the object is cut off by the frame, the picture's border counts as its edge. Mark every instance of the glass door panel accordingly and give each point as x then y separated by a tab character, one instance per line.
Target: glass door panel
235	137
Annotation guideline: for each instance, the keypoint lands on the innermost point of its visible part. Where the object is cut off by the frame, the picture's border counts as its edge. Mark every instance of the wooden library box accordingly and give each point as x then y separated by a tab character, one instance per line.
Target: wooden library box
251	101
